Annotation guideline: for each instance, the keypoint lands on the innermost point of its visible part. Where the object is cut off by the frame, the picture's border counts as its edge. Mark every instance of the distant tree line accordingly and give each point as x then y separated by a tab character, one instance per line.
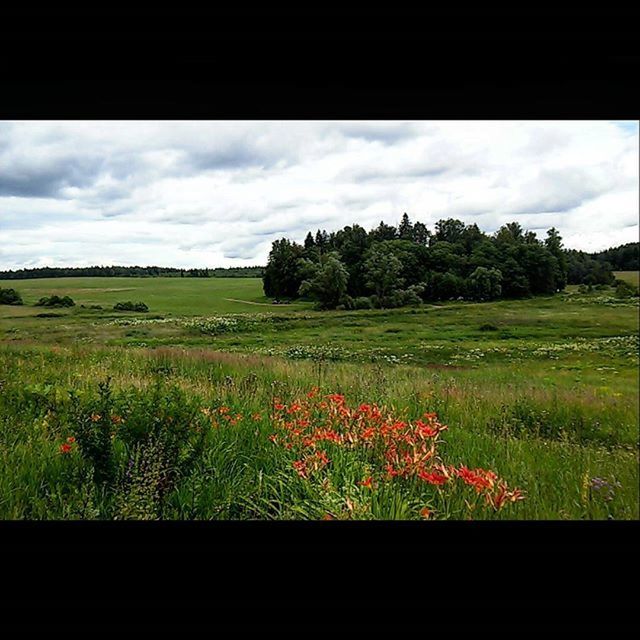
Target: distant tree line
596	268
394	266
131	272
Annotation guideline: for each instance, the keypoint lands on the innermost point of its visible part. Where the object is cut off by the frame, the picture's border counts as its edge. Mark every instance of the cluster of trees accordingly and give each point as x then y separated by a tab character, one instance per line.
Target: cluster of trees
625	257
394	266
597	268
131	272
10	296
131	306
55	301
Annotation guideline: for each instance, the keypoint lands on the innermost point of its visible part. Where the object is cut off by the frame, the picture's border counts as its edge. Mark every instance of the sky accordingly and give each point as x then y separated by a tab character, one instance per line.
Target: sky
218	193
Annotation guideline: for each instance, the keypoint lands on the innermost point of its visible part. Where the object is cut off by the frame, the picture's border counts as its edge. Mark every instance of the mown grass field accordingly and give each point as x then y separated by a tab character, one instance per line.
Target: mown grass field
544	392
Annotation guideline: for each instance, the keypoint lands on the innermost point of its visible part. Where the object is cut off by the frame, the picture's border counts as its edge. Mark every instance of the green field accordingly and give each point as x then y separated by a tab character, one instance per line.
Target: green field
542	391
629	276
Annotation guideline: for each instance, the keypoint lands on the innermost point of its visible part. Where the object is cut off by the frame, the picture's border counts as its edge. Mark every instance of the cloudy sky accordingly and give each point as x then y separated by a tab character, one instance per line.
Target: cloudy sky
207	194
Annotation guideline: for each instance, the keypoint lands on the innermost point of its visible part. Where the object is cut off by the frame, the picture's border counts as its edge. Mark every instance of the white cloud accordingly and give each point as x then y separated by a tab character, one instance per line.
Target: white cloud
218	193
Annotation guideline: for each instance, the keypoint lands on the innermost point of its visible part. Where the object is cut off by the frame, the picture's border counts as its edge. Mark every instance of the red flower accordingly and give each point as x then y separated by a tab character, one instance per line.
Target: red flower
71	439
425	513
367	482
433	478
301	467
65	448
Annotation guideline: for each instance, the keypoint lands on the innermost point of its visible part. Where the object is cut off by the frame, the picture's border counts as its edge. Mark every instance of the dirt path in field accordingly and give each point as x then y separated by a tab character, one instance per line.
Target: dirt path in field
260	304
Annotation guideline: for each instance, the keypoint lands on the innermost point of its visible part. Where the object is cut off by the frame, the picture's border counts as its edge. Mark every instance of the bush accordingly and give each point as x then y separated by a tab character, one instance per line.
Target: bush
625	290
488	327
363	303
346	302
10	296
131	306
55	301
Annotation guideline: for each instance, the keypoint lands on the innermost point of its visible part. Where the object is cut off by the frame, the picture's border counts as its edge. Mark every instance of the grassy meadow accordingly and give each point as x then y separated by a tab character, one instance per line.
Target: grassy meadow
188	411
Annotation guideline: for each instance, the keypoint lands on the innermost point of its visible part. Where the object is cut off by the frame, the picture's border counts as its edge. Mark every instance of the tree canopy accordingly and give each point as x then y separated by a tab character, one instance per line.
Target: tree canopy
399	265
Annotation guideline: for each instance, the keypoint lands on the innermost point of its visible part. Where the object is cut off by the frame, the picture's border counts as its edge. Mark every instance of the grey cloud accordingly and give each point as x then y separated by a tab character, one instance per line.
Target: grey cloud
386	133
395	175
46	179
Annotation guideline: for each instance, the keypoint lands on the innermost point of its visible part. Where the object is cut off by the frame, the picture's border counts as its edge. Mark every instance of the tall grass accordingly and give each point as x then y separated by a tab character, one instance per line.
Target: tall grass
165	459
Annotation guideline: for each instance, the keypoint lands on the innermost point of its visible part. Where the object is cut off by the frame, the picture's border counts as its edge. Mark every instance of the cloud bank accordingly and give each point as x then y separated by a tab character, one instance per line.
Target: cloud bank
209	194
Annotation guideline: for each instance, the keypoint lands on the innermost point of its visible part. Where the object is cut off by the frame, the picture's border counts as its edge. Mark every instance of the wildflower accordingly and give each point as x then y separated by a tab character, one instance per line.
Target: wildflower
327	516
478	478
433	478
425	513
95	417
71	439
117	419
301	467
205	411
312	393
278	406
65	448
223	410
256	417
367	482
502	496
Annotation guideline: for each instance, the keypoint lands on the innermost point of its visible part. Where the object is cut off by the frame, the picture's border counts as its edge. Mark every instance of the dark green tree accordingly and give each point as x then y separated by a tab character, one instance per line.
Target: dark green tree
282	277
326	282
382	272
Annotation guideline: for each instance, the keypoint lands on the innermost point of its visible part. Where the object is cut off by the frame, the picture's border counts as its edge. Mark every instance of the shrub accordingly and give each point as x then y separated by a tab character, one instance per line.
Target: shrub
131	306
346	302
137	445
55	301
10	296
625	290
363	302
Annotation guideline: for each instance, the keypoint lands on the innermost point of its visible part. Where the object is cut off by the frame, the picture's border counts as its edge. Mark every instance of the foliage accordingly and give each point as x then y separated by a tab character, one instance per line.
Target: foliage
55	301
282	277
457	261
130	272
485	284
10	296
326	281
625	290
131	306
